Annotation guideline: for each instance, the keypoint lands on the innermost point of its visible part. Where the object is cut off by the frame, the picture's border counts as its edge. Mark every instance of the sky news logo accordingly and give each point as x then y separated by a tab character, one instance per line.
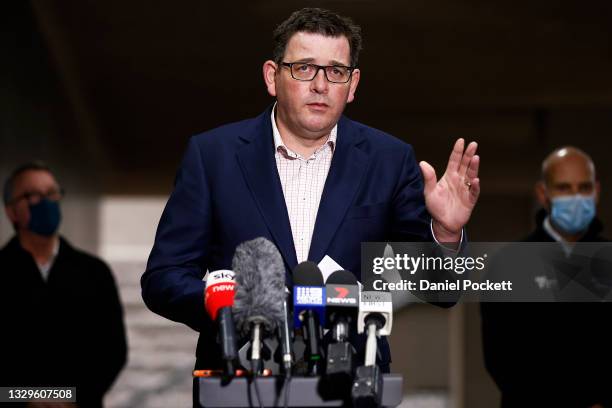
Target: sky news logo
223	287
225	275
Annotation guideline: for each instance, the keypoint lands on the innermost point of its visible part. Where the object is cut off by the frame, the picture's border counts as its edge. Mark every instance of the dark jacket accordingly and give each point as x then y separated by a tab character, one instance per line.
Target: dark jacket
66	331
228	191
550	354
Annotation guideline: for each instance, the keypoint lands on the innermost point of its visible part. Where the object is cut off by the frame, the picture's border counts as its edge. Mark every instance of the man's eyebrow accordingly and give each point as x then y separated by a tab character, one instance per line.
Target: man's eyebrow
307	60
331	62
334	62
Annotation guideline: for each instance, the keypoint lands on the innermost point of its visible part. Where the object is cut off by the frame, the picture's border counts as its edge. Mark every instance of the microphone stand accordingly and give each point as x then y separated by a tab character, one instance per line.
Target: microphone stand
367	387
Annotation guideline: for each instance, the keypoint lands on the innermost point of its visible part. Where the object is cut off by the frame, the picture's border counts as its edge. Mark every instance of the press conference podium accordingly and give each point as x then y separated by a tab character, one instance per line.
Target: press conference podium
303	392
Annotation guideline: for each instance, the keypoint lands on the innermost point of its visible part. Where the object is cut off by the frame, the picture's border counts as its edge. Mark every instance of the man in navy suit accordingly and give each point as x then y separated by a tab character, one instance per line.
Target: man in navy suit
301	175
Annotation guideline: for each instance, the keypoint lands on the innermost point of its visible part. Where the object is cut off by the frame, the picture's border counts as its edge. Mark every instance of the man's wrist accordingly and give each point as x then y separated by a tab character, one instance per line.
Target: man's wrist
443	235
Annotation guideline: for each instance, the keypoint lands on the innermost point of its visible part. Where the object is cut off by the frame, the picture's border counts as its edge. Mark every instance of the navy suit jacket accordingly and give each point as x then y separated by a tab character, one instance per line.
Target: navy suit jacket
228	191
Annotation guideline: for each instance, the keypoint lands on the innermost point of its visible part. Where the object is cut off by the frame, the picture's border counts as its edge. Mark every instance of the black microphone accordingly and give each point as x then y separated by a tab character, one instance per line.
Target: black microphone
260	291
341	308
286	339
309	311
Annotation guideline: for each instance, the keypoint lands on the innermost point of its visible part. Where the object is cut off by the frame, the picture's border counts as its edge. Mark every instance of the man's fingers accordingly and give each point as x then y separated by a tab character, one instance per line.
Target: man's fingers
472	171
429	175
470	151
454	161
474	190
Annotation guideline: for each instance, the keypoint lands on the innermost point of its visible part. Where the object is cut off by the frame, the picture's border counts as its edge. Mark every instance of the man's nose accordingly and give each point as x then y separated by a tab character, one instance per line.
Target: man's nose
319	84
576	189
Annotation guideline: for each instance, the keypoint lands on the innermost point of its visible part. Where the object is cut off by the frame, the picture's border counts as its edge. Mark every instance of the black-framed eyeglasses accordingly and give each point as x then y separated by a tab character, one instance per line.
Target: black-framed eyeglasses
34	197
303	71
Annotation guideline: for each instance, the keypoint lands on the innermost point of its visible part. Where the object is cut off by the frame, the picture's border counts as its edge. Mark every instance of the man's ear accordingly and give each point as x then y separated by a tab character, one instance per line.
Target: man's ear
542	197
353	85
269	74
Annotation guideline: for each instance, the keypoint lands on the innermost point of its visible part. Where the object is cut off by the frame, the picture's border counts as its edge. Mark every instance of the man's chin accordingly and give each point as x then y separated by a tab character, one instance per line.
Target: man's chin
320	127
318	132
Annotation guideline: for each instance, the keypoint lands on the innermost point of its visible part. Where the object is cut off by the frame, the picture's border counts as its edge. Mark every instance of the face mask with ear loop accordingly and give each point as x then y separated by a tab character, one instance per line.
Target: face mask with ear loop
45	217
572	214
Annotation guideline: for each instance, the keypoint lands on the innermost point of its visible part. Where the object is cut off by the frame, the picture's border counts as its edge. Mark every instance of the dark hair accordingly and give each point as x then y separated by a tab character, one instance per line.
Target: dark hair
9	183
319	21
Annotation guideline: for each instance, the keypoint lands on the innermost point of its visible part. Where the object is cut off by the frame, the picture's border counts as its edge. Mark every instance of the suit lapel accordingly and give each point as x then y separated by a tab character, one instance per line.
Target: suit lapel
347	169
256	159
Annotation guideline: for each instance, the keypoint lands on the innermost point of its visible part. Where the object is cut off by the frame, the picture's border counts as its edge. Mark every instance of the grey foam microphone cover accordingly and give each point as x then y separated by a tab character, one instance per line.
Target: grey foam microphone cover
260	285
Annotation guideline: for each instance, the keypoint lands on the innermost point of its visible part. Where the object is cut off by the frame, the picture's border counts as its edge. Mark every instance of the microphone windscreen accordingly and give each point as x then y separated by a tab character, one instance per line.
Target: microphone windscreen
307	274
342	277
260	285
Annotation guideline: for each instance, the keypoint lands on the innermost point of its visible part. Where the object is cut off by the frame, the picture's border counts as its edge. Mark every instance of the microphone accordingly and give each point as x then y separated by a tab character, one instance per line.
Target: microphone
260	290
309	311
218	299
375	317
286	338
341	309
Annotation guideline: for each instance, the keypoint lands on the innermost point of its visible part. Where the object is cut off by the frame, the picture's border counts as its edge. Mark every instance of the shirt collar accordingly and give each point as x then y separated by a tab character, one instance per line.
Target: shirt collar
567	246
278	141
46	268
56	248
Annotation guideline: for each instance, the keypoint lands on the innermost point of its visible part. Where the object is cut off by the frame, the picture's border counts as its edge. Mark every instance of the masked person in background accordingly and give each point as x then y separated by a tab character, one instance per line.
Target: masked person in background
568	193
555	354
59	307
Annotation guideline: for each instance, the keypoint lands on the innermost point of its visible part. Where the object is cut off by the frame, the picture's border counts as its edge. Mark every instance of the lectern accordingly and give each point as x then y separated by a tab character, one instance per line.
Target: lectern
212	392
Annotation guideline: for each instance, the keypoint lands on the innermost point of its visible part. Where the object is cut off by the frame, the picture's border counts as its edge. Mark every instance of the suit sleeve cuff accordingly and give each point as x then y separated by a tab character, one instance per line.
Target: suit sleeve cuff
444	247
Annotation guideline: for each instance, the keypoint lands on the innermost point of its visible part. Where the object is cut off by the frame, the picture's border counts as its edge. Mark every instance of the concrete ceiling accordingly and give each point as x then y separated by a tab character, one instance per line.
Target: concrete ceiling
141	77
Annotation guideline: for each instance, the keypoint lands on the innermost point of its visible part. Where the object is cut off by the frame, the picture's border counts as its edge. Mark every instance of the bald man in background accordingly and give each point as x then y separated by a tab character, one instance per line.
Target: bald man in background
568	193
555	354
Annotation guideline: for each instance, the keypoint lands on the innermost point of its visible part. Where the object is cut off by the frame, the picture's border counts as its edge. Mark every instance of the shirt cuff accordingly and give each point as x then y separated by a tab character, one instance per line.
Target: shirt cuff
455	250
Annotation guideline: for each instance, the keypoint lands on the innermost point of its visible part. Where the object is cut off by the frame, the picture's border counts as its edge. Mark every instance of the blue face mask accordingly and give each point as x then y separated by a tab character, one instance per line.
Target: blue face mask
45	217
573	214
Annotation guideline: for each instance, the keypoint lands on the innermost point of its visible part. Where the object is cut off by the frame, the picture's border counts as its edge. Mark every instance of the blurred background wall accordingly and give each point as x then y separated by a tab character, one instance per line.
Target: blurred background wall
108	92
